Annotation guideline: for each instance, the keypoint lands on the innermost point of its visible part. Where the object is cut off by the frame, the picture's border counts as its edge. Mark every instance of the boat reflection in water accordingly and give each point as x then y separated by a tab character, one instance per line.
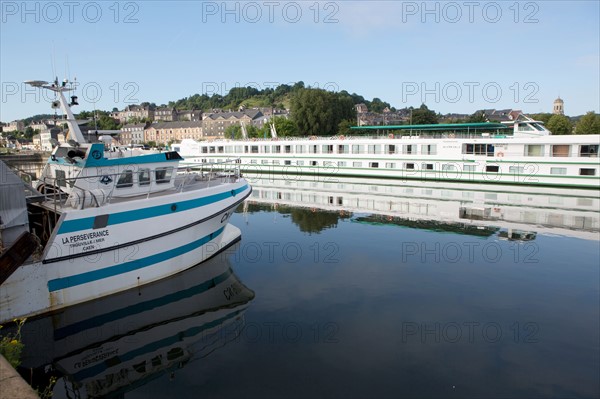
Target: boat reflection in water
510	212
113	345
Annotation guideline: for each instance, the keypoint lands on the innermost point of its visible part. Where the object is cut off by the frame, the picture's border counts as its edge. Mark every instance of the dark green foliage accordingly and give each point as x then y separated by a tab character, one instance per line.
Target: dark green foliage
318	112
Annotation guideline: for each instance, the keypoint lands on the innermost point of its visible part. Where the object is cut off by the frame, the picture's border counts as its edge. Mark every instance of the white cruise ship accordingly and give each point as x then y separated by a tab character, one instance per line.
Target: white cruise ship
525	153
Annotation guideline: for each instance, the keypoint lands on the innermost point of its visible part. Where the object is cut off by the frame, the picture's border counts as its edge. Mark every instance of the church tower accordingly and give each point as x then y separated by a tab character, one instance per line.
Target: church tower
559	107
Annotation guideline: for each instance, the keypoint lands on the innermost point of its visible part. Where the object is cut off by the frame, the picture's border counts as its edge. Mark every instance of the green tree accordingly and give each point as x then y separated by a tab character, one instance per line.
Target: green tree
543	117
559	124
233	131
344	127
477	117
285	127
588	124
424	116
317	112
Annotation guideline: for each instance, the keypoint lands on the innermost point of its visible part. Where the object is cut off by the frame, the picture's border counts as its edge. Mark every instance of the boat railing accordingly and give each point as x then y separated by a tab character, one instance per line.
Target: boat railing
406	134
70	192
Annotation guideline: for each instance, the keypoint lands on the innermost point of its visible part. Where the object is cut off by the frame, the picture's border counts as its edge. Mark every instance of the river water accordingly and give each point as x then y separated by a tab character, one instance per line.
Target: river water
355	288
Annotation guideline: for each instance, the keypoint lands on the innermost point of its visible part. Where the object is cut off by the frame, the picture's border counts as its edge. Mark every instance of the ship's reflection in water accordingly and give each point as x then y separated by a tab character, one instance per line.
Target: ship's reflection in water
511	212
116	344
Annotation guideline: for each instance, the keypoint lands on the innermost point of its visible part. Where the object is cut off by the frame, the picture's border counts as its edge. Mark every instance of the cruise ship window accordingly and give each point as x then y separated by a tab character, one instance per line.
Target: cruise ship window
391	149
409	166
534	150
560	150
276	149
356	149
587	172
558	171
589	150
254	149
409	149
288	149
287	162
492	168
373	164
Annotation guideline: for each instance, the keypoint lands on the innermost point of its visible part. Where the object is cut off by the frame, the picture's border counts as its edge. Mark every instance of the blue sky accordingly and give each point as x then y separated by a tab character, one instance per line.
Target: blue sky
454	56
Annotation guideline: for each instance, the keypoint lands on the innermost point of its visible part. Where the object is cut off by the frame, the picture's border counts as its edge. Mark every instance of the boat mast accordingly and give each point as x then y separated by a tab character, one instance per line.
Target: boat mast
64	105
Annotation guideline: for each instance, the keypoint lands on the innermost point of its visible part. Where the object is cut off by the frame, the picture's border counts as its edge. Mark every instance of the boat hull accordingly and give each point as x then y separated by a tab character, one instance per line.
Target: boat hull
131	254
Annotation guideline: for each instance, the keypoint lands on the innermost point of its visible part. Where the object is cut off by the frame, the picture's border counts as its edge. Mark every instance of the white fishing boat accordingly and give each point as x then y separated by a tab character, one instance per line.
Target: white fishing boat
104	221
525	153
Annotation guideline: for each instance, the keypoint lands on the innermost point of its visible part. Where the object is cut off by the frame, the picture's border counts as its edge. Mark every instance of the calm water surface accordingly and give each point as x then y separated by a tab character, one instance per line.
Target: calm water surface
365	291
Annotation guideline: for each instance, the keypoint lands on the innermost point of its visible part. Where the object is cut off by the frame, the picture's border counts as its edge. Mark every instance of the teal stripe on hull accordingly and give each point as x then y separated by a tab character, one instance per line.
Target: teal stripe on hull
95	275
145	306
70	226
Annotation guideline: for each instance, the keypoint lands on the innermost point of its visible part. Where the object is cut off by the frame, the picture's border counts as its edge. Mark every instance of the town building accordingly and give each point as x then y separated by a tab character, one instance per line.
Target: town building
167	132
559	107
133	133
215	124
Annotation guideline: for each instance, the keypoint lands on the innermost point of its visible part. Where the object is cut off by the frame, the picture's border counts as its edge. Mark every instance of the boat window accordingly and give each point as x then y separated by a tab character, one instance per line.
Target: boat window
391	149
429	149
125	179
264	161
254	149
516	170
276	162
220	150
469	168
288	149
343	149
300	163
409	166
374	149
253	161
478	149
328	149
341	163
427	166
410	149
287	162
356	149
449	167
357	164
144	177
534	150
390	165
560	150
266	149
587	172
205	150
61	178
538	127
492	168
524	127
590	150
313	149
276	149
558	171
373	164
163	175
245	149
313	163
211	150
239	148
